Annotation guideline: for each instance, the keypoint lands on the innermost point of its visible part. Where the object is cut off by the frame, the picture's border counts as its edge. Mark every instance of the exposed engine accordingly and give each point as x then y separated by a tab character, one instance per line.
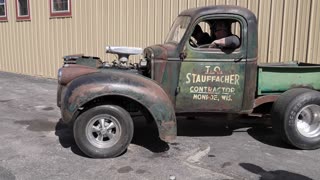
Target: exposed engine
122	62
123	56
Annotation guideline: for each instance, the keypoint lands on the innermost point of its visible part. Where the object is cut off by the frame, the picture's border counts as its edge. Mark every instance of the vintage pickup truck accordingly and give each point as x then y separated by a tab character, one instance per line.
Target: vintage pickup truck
181	77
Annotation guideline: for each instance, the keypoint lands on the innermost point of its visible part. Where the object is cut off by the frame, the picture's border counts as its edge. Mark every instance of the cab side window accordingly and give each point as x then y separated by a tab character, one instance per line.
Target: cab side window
201	35
216	33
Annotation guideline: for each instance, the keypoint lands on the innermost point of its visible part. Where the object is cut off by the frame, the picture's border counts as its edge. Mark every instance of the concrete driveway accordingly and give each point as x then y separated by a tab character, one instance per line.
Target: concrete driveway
35	145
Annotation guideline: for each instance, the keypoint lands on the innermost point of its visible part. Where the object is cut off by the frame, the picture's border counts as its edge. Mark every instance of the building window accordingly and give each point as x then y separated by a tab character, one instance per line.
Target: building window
3	10
60	8
23	9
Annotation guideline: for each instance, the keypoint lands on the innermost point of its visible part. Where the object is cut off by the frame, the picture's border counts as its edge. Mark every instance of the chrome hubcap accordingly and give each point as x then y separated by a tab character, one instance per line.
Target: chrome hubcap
308	121
103	131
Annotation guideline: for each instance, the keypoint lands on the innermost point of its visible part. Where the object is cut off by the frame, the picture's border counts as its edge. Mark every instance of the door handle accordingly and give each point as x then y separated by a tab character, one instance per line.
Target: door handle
182	56
238	60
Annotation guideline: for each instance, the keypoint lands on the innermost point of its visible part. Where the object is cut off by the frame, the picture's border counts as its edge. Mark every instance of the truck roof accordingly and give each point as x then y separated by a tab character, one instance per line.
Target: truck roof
219	9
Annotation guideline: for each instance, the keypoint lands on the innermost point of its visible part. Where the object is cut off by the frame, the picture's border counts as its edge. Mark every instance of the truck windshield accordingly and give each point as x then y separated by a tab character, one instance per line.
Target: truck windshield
178	29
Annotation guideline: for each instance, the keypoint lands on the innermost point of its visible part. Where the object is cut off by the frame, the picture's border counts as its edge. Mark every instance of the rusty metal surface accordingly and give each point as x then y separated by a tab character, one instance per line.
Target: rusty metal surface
265	99
204	81
119	83
167	66
167	75
211	80
211	86
250	85
165	130
193	91
59	93
72	71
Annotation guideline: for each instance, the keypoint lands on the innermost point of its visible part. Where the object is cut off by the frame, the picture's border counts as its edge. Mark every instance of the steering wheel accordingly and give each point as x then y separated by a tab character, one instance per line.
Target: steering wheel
204	46
193	43
208	46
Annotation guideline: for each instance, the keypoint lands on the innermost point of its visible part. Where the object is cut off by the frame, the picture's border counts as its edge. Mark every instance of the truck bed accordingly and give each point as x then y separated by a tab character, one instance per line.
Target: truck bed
275	78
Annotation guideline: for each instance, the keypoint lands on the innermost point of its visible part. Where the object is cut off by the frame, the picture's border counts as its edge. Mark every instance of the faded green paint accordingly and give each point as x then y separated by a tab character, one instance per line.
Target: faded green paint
168	64
277	79
168	78
211	79
210	87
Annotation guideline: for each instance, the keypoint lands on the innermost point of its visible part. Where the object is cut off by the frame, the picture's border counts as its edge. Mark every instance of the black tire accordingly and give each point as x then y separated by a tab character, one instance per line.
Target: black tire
287	111
97	143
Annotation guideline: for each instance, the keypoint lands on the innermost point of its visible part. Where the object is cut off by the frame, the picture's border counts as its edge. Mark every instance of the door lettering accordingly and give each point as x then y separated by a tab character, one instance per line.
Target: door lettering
201	86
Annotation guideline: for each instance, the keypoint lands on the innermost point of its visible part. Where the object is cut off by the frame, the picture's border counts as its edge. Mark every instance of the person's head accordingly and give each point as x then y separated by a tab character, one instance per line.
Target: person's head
197	31
221	29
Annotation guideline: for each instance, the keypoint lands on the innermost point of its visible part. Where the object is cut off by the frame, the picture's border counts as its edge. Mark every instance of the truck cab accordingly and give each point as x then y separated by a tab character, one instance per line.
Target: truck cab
203	79
185	76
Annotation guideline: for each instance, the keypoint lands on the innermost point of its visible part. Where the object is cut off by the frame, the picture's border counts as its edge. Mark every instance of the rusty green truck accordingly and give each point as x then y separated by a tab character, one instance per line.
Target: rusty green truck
181	76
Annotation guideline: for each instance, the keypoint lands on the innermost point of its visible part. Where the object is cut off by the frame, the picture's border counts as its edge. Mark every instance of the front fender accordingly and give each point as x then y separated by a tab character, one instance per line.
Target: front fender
115	82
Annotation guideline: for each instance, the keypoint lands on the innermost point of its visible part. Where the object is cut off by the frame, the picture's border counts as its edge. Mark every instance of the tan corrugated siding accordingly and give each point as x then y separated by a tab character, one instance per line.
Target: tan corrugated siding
302	30
288	30
314	34
276	29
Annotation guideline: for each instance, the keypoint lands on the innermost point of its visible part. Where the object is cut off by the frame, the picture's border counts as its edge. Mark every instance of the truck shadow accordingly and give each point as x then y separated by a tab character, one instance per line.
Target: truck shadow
272	175
65	134
261	130
146	134
226	125
267	136
203	126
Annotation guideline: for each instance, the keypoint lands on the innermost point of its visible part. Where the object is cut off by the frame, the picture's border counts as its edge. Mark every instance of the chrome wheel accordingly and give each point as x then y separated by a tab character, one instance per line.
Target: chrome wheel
103	131
308	121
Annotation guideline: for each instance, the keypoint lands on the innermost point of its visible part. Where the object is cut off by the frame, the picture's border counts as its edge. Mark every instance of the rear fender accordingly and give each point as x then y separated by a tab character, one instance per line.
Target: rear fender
119	83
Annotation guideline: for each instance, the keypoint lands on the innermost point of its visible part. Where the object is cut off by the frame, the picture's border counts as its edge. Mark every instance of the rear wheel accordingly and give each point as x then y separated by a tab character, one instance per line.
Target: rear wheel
296	117
103	131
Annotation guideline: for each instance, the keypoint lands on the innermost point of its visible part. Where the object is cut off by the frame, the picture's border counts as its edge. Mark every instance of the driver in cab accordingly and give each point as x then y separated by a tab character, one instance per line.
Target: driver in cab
201	37
222	36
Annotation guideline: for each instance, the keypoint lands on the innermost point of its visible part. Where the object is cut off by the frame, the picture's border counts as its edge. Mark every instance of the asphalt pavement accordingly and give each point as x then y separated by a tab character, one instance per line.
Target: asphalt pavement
34	144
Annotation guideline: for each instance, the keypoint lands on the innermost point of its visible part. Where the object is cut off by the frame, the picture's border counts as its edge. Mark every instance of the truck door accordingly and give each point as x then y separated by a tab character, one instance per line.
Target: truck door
212	79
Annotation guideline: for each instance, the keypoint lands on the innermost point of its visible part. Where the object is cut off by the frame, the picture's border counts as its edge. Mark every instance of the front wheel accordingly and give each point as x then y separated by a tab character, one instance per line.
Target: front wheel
296	117
103	131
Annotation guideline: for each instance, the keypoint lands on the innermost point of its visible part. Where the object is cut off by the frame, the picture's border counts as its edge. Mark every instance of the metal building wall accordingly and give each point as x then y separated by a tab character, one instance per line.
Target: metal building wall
288	30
